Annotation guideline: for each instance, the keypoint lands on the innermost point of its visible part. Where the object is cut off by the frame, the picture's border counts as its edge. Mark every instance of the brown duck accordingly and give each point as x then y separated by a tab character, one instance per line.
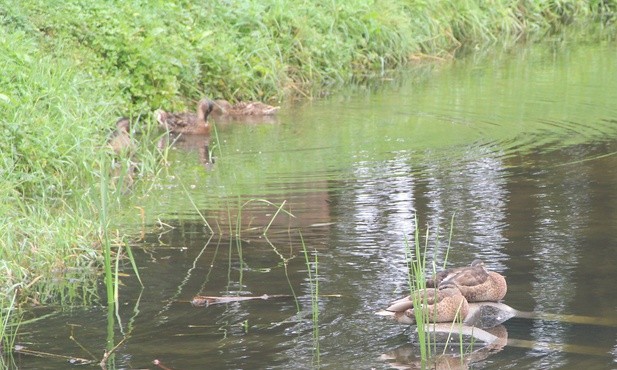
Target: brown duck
187	122
476	283
225	108
442	275
443	304
120	140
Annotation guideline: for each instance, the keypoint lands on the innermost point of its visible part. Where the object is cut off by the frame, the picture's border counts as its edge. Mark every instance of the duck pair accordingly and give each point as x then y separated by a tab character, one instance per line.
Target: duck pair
197	123
448	295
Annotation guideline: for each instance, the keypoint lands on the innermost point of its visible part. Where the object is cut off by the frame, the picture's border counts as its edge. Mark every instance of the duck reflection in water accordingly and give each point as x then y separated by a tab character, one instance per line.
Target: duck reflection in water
189	144
408	356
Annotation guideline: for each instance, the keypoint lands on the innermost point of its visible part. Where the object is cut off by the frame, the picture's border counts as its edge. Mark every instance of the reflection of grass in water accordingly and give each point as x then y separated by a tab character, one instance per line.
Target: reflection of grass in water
285	261
416	261
236	230
239	231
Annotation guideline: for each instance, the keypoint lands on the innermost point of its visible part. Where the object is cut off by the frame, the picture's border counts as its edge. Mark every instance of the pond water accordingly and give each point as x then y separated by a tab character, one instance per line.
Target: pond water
514	154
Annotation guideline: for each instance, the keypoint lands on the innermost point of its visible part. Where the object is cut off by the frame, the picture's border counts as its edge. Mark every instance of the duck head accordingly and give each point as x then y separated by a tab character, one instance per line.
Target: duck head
477	262
123	124
204	108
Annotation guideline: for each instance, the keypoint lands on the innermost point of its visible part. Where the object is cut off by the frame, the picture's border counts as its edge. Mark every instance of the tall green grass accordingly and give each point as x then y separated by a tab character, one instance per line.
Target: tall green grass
9	323
55	169
52	124
416	257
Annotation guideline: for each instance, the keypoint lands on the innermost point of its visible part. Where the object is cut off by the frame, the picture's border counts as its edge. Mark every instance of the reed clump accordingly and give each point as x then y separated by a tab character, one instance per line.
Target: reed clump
418	273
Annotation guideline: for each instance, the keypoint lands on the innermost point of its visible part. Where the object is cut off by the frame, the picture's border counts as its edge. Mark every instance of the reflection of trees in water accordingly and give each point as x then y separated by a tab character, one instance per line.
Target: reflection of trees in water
377	214
473	190
561	205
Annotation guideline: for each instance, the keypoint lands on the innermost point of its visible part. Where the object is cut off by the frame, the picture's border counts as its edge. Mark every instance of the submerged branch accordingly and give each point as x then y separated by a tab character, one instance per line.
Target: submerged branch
205	301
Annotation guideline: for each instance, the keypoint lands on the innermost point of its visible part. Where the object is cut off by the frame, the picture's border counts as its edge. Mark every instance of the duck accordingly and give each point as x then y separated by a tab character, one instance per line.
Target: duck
442	275
123	165
477	284
442	304
254	108
187	122
120	140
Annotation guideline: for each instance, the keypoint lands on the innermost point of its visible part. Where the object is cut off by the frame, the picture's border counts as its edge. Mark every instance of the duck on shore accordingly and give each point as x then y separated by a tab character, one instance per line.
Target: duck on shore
123	165
187	122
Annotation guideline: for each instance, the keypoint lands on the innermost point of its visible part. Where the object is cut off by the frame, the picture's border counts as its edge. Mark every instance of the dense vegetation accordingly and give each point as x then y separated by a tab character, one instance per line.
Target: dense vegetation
152	53
70	68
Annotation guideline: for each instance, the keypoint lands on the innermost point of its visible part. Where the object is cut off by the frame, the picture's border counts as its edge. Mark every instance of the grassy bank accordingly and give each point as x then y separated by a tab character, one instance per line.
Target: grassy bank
70	68
50	120
55	121
157	53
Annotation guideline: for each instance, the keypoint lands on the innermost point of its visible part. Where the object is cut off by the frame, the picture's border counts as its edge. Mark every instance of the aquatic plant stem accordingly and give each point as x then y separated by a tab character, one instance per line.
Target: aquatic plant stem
416	263
216	144
445	259
188	195
314	289
279	208
286	269
9	326
274	216
104	224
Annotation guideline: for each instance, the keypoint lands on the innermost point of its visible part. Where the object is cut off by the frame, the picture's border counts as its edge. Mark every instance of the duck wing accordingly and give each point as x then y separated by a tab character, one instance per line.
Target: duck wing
425	297
443	275
177	120
471	276
401	304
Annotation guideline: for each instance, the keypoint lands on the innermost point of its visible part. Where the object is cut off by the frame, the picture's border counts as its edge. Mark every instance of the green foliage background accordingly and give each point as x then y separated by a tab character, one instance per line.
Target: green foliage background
159	53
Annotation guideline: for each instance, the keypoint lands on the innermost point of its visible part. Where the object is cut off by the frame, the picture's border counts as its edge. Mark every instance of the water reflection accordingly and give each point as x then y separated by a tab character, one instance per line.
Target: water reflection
474	186
448	356
199	144
562	202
